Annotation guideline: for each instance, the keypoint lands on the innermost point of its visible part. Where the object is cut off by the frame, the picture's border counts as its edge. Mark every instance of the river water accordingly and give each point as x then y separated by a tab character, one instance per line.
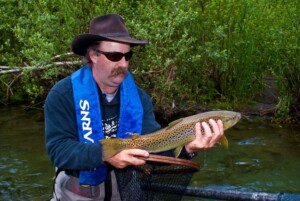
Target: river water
262	157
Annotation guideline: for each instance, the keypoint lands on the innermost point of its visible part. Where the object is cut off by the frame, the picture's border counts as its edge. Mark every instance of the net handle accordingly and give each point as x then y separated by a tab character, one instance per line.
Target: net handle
171	160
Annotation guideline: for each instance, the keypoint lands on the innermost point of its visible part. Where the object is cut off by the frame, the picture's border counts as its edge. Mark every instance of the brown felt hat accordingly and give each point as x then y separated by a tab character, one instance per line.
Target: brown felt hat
109	27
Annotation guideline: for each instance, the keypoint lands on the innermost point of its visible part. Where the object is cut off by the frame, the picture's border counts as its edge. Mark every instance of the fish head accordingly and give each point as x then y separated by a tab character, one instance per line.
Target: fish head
229	118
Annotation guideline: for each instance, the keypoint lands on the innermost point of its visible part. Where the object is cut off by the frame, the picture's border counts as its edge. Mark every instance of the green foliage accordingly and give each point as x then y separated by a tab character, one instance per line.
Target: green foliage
212	53
283	107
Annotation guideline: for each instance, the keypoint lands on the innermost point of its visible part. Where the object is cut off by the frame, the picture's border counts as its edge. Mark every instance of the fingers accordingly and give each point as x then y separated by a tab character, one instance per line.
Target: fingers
206	137
217	128
198	132
128	157
137	152
214	126
221	126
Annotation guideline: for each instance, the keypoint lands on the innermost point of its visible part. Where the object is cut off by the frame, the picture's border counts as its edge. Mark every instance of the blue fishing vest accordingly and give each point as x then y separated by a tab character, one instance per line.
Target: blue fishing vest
89	120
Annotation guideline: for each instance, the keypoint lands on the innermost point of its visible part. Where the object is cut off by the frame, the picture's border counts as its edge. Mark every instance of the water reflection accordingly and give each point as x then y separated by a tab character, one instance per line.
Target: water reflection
261	157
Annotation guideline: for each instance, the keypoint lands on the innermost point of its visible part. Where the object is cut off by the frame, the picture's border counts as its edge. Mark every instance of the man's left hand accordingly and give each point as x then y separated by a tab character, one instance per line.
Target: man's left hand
206	138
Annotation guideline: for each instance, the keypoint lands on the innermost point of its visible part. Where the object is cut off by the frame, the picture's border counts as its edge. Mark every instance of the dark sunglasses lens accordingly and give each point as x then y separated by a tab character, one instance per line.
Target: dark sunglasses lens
117	56
128	55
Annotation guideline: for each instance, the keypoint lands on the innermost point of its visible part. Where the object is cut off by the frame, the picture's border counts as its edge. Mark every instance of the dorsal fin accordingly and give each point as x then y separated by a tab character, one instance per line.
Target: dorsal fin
173	123
133	135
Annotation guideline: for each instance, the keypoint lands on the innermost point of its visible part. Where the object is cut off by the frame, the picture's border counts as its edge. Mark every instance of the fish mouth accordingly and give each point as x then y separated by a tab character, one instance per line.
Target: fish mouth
237	117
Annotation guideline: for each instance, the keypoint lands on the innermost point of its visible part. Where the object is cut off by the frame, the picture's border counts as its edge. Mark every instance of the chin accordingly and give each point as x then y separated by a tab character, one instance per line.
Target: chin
118	80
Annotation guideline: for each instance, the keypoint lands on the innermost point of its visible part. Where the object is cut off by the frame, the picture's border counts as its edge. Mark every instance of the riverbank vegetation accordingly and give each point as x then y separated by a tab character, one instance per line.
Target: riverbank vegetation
202	54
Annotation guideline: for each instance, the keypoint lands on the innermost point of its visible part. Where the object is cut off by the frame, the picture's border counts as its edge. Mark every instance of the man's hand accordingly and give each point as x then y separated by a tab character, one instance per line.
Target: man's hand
212	133
128	157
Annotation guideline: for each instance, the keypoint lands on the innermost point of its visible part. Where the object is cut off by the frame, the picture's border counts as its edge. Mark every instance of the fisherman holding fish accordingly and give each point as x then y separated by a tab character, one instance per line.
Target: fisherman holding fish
101	101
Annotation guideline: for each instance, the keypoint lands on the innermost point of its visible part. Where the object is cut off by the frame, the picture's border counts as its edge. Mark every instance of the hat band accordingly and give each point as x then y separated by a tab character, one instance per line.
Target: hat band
114	34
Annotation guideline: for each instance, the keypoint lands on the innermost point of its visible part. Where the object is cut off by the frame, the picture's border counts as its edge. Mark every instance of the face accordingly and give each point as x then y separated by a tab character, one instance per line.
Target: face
109	74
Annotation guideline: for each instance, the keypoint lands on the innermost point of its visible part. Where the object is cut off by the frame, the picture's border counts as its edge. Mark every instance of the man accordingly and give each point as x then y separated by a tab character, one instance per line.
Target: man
99	101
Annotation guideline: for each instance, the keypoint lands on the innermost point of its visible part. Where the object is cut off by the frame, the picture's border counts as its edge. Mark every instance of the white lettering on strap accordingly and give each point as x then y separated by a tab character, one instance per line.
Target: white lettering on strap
86	121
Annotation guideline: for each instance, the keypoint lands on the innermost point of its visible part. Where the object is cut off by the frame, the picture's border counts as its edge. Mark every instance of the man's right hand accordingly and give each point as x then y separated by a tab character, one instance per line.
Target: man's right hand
128	157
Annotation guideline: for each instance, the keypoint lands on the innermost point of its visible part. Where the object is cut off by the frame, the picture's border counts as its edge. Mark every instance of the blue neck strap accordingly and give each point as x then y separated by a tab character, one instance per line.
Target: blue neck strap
89	120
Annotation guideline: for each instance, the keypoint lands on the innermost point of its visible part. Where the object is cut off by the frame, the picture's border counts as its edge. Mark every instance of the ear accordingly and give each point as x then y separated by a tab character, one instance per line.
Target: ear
93	56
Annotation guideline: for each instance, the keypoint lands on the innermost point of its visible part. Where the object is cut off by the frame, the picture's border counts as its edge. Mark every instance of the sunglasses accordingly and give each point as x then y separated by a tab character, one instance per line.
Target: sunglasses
115	56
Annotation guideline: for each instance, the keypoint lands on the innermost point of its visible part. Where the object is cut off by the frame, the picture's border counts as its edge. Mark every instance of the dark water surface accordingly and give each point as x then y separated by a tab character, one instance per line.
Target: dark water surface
261	157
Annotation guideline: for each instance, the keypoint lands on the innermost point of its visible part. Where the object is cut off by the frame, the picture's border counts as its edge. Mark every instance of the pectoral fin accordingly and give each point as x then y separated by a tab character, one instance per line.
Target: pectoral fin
224	141
177	151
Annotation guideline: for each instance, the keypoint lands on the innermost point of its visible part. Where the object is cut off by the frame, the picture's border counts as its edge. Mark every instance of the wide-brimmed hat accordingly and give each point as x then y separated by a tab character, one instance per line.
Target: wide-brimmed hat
109	27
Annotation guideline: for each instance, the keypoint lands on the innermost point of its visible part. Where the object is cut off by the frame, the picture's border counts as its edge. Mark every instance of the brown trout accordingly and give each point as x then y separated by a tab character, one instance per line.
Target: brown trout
175	135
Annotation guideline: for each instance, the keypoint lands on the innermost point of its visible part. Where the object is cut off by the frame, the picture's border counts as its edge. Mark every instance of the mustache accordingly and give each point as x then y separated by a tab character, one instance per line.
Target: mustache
118	71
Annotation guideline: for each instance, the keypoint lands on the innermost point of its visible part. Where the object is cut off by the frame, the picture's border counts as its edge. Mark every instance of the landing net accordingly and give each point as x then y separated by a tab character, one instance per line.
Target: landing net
144	182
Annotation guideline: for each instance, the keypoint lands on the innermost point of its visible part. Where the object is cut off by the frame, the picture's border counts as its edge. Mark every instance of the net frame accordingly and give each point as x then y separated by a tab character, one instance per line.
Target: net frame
184	165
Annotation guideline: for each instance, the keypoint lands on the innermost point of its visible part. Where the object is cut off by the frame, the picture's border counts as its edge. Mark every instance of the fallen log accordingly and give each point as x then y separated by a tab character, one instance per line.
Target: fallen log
221	194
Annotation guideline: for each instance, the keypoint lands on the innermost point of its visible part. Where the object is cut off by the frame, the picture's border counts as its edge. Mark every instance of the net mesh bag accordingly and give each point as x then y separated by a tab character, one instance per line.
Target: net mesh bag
151	181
